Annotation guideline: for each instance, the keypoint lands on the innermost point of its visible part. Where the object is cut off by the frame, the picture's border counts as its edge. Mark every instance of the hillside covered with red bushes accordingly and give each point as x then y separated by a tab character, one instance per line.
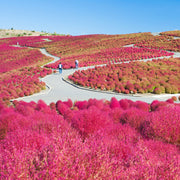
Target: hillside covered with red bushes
91	139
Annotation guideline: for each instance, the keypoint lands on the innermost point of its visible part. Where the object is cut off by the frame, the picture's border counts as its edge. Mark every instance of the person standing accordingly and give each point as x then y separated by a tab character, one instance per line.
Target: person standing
60	68
76	63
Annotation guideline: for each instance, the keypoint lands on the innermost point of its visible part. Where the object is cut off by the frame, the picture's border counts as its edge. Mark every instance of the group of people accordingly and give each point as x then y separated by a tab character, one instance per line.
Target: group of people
61	67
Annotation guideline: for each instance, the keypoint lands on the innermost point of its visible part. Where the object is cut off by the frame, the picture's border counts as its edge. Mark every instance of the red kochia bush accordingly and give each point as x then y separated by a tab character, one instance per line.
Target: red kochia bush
61	107
94	102
163	124
81	104
90	120
115	114
40	143
24	108
136	77
124	104
142	106
69	103
162	160
114	103
134	117
118	140
158	105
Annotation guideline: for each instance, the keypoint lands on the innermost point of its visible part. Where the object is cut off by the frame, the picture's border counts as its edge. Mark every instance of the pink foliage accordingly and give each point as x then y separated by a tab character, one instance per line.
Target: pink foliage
131	78
163	124
94	139
124	104
134	117
69	103
114	103
142	106
17	57
81	104
107	55
61	107
39	143
116	114
94	102
158	105
90	120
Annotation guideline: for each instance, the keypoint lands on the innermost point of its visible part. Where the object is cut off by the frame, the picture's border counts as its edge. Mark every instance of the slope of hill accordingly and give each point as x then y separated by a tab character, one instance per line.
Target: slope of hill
5	33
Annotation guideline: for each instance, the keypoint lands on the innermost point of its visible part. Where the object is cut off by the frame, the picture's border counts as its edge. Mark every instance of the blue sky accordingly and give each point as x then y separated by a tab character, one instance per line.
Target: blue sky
77	17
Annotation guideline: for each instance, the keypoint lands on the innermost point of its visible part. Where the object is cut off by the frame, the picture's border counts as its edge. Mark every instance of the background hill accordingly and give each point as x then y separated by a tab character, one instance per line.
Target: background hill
5	33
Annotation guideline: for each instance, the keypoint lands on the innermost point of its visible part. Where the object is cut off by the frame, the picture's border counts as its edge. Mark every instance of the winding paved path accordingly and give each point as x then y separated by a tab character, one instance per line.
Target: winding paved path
59	89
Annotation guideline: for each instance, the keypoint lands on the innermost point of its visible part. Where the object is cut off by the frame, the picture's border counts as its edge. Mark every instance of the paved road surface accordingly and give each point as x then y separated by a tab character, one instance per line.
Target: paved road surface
58	89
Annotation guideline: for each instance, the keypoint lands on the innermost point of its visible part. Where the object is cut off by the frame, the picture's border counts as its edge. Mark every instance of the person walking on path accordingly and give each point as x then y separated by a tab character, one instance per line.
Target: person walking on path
76	63
60	68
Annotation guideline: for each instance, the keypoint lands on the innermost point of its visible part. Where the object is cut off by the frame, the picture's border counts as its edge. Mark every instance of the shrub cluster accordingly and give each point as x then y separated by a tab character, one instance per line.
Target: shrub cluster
31	41
161	42
157	76
93	139
171	33
16	57
23	82
20	71
113	55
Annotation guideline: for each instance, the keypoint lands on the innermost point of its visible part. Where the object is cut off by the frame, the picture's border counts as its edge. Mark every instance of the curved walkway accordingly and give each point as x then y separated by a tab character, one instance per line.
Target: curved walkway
58	88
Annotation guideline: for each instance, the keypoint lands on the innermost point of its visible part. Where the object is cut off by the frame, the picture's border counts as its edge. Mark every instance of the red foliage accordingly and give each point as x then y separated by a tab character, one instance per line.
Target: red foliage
142	105
89	121
160	42
110	55
94	102
135	77
174	98
81	104
24	82
134	117
164	124
124	104
61	107
34	139
16	57
115	114
114	103
38	142
69	103
158	105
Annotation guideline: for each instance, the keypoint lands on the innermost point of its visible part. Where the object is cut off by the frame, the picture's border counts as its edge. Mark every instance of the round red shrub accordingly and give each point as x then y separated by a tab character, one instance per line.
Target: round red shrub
81	104
174	98
134	117
163	124
124	104
69	103
142	105
115	114
170	100
61	107
157	90
94	102
53	106
90	120
157	105
114	103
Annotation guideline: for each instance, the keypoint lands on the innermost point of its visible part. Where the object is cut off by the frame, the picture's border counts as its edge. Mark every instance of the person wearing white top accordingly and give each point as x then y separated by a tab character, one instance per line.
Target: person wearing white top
76	63
60	68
